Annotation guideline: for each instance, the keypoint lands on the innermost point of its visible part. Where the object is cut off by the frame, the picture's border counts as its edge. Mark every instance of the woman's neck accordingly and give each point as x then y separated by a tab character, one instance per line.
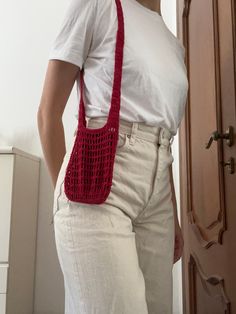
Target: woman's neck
154	5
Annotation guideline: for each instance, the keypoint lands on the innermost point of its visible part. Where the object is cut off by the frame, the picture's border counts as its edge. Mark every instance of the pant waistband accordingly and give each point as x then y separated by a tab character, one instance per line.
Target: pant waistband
150	133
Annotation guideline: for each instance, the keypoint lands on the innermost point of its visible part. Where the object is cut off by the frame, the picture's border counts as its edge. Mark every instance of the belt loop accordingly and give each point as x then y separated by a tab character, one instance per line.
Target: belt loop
166	137
160	136
133	132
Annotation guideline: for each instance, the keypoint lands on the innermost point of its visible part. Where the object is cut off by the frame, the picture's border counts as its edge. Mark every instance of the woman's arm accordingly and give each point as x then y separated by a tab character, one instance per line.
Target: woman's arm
59	81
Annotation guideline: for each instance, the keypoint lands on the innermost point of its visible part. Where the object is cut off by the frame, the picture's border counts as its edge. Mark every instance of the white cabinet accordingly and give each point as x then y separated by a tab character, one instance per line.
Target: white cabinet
19	184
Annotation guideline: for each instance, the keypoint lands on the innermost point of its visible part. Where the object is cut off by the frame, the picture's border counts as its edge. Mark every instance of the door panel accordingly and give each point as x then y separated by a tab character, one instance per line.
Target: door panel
207	187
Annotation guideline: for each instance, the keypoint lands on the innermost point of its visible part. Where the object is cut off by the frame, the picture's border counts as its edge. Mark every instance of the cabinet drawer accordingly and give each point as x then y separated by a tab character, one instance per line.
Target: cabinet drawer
3	278
3	298
6	183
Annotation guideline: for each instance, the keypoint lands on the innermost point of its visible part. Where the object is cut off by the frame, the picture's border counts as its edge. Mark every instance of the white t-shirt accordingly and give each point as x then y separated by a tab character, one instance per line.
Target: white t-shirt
154	78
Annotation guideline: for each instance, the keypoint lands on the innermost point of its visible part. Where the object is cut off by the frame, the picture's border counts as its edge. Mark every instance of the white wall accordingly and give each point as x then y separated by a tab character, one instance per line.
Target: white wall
27	32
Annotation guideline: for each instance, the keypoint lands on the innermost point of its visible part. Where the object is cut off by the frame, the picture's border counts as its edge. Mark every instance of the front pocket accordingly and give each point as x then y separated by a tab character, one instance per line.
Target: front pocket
123	141
57	194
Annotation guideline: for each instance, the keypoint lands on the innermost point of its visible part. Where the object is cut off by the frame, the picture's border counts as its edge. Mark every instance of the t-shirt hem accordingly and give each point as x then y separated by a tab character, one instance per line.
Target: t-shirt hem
68	58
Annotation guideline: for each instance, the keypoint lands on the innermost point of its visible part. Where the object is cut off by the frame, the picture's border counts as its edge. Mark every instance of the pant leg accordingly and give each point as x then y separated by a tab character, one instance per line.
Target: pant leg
154	229
99	262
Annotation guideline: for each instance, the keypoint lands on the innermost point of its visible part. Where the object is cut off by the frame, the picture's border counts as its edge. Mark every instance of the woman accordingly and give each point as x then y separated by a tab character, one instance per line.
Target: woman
117	257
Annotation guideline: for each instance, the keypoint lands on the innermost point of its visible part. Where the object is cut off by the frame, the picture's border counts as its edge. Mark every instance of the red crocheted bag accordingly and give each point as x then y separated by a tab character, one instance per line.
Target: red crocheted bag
88	176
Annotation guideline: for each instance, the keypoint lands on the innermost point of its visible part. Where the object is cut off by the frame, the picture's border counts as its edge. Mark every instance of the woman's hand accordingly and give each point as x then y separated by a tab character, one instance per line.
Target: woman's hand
179	243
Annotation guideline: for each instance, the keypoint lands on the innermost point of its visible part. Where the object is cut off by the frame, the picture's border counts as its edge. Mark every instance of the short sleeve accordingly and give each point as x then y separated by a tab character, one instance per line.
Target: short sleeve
72	42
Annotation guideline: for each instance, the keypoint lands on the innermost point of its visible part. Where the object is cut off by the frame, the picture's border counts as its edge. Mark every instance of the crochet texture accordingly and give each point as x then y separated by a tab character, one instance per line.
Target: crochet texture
88	176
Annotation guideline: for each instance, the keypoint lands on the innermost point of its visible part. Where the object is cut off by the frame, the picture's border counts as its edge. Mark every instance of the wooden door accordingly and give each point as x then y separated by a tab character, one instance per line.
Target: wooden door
207	29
